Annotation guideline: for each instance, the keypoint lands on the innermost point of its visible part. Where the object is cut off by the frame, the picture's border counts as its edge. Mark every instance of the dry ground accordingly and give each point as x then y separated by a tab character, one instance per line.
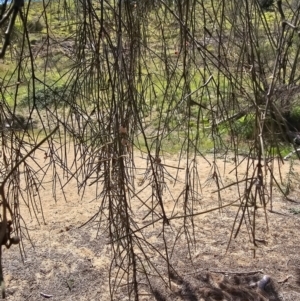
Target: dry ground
71	263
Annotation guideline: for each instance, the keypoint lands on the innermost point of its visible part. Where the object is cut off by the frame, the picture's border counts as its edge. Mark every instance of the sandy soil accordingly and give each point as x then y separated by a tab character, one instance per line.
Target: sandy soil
70	262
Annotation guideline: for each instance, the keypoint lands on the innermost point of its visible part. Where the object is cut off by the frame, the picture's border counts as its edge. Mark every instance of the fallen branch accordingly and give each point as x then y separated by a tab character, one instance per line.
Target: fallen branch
285	279
237	273
276	212
46	295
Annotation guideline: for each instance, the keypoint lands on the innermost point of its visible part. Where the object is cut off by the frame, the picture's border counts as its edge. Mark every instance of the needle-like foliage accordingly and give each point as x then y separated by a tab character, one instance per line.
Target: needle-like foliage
118	79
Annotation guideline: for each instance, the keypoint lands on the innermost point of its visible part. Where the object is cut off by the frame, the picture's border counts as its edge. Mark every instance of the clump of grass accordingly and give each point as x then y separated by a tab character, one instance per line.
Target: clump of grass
245	127
294	210
45	98
34	25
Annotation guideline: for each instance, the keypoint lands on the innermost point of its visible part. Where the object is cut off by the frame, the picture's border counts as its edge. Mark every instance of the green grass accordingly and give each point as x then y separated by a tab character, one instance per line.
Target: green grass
163	93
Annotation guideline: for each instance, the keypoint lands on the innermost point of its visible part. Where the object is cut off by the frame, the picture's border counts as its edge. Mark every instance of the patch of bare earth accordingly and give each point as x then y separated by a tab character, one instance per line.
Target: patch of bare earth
70	262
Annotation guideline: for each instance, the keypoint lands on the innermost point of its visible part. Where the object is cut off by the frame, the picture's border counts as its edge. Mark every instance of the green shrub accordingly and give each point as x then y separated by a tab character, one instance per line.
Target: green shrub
34	26
45	98
265	4
245	127
295	113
